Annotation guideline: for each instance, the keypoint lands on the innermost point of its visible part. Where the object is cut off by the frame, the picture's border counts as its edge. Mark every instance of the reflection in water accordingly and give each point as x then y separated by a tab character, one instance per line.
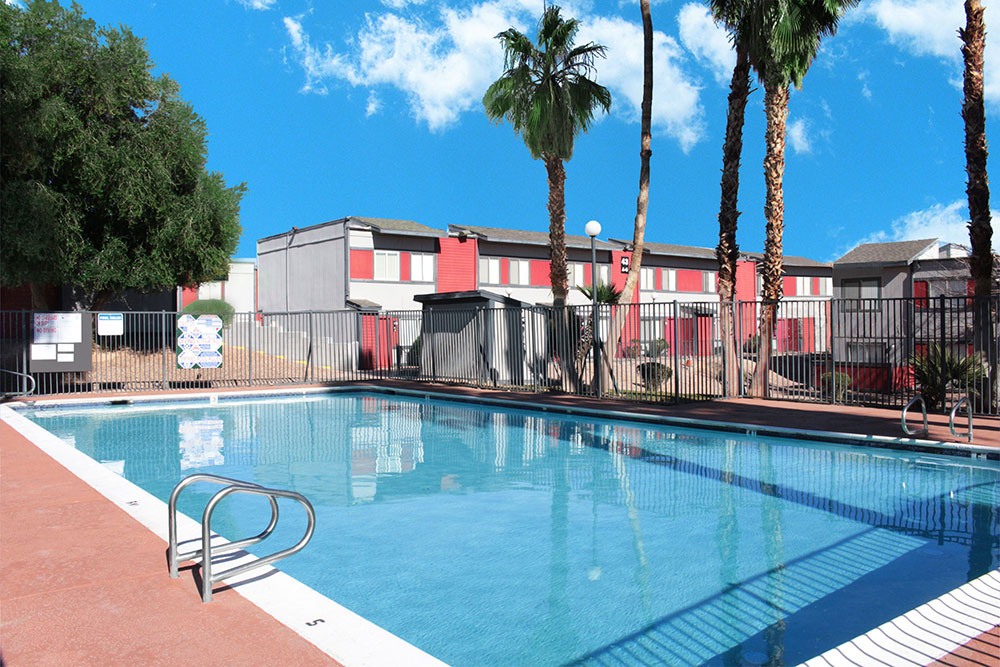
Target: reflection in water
578	541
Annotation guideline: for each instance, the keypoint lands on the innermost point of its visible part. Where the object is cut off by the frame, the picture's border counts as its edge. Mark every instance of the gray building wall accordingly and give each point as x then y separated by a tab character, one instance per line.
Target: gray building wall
303	270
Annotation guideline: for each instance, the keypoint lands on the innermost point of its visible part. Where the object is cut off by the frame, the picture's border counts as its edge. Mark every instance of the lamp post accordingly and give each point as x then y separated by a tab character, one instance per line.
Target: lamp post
593	228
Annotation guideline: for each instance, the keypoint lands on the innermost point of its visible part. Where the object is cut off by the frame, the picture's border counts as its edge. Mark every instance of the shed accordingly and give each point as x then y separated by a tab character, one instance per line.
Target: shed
473	335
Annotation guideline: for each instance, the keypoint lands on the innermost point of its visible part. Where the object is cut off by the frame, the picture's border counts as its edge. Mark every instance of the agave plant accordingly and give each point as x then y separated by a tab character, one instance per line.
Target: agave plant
606	293
958	372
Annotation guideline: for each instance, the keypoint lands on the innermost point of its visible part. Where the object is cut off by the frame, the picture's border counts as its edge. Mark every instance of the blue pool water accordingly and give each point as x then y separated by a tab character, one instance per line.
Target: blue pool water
488	536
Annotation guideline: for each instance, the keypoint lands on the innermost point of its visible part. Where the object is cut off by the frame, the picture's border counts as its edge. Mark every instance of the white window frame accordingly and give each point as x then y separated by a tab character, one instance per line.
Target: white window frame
604	274
390	265
803	286
489	270
575	274
669	278
647	278
421	267
520	272
710	282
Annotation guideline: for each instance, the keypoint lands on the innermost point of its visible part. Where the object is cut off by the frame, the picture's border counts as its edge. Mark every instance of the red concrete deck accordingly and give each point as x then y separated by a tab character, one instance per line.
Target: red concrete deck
81	582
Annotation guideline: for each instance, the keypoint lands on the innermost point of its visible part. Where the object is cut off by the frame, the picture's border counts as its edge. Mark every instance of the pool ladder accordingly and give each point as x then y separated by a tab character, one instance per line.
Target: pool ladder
923	408
954	412
205	553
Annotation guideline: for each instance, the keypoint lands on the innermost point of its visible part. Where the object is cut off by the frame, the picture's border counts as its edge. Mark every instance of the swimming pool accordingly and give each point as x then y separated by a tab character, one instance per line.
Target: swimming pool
489	536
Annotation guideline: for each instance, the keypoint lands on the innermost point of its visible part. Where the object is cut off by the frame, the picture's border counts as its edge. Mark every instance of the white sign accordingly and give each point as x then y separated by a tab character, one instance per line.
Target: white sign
58	328
43	352
199	341
110	324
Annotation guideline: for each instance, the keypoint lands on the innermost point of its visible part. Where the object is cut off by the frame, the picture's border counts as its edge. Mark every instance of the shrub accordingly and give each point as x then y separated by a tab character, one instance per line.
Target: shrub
211	307
963	373
835	384
633	349
654	374
658	347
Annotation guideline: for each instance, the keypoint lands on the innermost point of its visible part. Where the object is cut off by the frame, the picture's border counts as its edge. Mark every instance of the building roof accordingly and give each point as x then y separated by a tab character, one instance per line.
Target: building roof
383	225
792	260
521	236
895	252
671	249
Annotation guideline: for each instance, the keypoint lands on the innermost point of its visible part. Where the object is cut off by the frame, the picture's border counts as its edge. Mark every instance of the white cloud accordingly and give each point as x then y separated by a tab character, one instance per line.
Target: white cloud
947	223
866	92
373	105
399	4
798	136
444	59
930	28
707	41
259	5
676	107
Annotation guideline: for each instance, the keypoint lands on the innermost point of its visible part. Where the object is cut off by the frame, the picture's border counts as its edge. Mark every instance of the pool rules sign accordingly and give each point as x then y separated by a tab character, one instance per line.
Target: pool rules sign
199	341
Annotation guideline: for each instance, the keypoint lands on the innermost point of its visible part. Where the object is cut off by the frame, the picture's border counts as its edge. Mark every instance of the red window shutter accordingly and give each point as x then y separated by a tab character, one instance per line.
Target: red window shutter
362	264
920	294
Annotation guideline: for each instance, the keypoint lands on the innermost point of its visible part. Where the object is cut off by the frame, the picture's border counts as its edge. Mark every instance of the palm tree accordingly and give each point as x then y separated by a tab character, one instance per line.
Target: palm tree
607	294
642	203
547	95
782	38
729	13
978	190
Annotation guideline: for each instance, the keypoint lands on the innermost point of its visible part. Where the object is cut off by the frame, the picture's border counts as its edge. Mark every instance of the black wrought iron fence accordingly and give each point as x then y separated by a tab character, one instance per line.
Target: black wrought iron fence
859	352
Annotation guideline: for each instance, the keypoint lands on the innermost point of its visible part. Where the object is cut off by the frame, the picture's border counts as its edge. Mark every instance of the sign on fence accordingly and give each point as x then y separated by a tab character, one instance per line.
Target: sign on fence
199	341
110	324
60	342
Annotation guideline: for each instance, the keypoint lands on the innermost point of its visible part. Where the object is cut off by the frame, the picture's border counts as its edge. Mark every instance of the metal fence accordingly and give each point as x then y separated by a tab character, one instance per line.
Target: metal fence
861	352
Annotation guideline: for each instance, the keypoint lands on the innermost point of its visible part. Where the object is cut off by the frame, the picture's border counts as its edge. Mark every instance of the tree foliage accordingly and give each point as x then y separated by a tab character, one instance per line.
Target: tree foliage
103	177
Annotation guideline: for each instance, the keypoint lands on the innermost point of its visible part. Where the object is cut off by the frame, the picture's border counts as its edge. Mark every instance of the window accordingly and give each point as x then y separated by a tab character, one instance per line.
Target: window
520	272
710	281
825	286
866	353
574	274
386	265
804	286
604	274
860	293
670	280
421	268
489	270
647	278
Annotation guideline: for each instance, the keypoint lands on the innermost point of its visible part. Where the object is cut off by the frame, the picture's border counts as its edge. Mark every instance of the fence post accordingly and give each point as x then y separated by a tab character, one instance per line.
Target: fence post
163	337
309	350
677	355
944	377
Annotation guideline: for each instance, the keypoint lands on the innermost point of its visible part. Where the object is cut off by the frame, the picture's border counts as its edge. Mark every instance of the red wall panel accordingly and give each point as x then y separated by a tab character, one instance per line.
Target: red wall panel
362	264
788	286
404	266
539	273
457	265
689	280
504	271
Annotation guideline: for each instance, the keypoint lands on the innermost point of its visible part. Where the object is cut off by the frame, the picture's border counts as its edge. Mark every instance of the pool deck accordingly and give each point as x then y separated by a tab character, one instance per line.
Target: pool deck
82	582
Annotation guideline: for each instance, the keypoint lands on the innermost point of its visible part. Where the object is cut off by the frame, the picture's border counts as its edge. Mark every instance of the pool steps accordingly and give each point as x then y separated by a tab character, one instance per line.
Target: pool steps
231	486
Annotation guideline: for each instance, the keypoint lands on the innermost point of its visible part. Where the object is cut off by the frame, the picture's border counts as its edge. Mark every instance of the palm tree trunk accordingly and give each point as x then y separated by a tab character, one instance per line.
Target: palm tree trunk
776	110
728	251
557	230
564	338
978	190
642	203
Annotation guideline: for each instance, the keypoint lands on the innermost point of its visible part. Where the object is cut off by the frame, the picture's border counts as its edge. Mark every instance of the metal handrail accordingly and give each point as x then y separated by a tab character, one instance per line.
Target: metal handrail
954	412
207	578
923	408
173	558
34	383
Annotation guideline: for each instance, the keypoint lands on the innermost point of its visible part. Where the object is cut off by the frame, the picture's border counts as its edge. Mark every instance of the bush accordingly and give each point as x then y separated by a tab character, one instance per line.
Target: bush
962	373
835	384
658	347
654	374
632	350
211	307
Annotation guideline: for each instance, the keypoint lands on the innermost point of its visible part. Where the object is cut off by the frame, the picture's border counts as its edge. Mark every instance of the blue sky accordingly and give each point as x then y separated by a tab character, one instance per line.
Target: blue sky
372	108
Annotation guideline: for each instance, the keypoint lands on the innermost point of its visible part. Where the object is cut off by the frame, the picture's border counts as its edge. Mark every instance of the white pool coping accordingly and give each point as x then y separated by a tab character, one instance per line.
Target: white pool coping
337	631
919	637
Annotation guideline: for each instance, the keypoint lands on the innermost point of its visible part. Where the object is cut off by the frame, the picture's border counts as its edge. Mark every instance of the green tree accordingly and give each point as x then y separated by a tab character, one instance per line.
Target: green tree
782	38
103	174
547	95
730	13
642	202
